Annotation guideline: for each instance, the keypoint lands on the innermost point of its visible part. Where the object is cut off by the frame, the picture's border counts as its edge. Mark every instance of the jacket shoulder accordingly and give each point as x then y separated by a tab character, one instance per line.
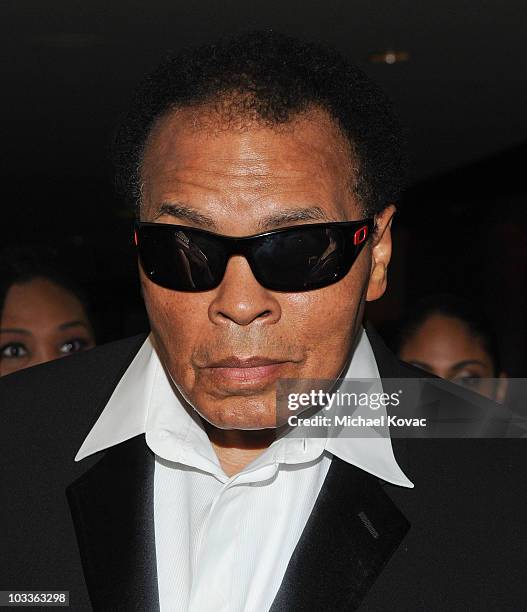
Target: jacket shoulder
63	394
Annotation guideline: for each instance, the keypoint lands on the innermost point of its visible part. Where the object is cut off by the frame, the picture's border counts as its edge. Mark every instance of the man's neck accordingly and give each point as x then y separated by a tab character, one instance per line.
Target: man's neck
236	448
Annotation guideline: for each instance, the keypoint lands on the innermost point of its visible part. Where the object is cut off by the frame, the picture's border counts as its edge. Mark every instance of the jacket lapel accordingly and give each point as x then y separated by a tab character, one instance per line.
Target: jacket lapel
112	509
351	534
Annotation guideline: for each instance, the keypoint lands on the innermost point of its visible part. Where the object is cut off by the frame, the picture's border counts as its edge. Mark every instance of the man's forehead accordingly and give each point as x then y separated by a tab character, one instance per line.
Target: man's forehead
299	172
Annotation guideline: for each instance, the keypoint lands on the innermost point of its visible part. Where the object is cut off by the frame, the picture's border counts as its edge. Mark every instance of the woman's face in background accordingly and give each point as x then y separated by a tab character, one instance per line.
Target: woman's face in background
446	347
41	321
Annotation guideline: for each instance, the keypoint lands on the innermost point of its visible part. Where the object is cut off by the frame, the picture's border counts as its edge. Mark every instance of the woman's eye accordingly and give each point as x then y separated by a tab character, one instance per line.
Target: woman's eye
13	350
468	381
73	346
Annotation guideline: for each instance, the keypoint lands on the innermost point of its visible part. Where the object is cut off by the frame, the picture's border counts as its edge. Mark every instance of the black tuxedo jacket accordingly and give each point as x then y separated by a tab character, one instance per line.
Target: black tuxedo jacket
457	541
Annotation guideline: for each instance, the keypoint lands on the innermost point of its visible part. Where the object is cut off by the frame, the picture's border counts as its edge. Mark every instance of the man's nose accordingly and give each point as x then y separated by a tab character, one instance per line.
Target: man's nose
241	299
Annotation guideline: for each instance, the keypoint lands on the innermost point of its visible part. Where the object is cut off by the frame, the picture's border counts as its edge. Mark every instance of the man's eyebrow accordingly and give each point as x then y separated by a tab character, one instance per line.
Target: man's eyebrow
14	330
292	215
70	324
276	219
185	213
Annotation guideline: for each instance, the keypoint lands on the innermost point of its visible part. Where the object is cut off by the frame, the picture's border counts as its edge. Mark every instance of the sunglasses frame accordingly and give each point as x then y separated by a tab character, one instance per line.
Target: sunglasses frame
242	245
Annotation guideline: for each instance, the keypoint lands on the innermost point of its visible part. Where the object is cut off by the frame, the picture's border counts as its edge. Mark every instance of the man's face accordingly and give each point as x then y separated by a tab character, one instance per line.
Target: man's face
238	182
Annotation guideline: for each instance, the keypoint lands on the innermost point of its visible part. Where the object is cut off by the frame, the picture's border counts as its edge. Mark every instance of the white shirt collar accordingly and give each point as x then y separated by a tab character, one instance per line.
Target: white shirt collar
145	402
372	454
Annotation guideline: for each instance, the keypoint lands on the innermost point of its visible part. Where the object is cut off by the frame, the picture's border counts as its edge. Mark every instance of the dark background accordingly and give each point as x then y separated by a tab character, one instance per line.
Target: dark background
69	69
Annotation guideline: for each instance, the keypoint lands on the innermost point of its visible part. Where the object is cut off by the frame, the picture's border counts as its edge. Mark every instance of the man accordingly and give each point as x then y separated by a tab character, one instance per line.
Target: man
264	172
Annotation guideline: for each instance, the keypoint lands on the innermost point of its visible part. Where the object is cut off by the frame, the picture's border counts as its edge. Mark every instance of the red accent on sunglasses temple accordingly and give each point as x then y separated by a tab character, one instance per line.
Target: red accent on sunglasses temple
135	237
360	235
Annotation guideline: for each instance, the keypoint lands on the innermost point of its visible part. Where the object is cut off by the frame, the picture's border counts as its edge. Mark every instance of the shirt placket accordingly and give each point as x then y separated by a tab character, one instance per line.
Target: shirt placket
219	551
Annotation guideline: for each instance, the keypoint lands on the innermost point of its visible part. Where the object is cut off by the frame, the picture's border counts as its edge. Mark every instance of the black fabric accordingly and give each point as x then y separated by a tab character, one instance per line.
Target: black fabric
350	536
465	549
45	414
112	510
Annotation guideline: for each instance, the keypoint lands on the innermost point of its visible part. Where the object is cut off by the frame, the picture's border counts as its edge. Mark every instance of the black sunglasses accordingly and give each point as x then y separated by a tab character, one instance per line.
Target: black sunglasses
298	258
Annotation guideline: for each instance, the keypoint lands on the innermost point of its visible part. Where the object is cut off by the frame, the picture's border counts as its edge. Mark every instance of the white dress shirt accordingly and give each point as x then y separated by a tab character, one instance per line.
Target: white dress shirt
223	543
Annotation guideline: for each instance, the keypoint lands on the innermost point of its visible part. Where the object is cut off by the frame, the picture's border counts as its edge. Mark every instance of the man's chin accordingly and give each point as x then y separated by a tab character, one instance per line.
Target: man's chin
248	423
244	415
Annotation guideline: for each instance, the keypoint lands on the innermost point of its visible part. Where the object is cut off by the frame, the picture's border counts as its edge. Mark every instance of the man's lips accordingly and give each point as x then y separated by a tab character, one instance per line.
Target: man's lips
246	370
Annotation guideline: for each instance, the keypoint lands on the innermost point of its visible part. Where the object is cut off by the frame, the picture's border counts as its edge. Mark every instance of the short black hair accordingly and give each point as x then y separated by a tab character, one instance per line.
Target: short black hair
276	77
454	307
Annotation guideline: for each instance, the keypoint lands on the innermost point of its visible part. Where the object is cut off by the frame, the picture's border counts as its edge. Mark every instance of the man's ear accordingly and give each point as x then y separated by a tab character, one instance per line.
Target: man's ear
381	254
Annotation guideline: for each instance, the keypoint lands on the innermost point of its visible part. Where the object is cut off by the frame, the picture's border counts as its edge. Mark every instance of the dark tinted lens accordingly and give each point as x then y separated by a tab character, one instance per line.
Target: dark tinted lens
303	259
299	259
184	260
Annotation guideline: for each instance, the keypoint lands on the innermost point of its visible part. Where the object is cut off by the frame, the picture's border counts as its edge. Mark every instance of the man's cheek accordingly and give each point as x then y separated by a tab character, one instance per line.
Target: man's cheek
172	331
165	309
327	317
